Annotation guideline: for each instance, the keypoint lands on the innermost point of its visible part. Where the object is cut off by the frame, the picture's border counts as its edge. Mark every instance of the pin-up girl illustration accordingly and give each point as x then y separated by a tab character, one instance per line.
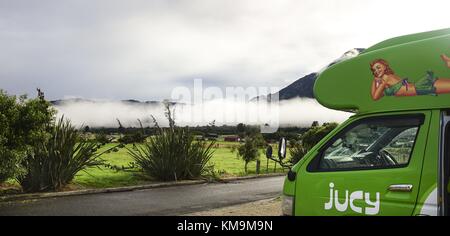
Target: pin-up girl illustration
387	83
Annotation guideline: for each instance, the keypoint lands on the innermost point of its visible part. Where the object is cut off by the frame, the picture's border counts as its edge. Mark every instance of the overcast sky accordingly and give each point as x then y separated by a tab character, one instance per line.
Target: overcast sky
142	49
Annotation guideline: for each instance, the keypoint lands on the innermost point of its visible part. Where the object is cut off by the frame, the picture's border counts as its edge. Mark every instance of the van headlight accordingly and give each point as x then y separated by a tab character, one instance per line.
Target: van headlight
287	205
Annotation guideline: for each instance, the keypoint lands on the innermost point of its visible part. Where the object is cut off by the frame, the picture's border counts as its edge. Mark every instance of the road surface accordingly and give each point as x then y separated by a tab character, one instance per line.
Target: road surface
177	200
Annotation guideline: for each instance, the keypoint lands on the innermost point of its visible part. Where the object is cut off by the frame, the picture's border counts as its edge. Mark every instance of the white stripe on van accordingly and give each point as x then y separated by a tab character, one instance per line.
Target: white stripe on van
430	206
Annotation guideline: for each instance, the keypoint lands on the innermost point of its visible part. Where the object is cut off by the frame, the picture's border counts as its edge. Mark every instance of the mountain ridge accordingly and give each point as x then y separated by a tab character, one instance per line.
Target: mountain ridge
303	87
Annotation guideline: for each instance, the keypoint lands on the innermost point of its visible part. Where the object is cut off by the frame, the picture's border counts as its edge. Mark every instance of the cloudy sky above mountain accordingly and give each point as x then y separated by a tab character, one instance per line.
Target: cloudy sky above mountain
142	49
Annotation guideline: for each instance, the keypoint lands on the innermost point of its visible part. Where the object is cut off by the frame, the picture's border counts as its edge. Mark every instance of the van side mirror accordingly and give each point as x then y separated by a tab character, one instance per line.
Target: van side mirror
282	148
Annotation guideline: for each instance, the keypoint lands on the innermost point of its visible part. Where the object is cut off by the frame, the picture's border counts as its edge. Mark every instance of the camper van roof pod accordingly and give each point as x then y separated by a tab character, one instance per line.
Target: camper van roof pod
410	72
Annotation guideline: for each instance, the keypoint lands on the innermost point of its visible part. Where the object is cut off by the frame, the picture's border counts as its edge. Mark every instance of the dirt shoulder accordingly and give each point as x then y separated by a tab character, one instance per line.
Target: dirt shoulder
267	207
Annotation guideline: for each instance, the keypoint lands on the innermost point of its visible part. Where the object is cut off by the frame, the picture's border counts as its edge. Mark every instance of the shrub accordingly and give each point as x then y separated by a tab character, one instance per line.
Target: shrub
136	137
308	140
9	155
23	122
316	133
55	160
9	164
297	151
173	153
102	138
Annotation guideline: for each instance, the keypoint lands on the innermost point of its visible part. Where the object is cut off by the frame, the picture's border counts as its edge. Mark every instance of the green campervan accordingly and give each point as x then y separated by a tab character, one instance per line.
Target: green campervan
392	157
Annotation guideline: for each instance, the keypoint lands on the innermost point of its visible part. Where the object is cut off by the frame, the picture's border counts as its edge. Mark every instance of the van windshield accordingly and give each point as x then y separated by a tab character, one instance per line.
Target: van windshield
367	145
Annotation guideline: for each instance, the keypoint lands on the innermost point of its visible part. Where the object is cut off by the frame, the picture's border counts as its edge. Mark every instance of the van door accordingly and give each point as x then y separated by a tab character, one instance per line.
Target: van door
444	165
371	167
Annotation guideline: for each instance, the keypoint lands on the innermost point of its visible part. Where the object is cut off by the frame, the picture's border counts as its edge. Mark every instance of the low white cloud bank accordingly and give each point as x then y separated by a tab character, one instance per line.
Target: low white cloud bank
294	112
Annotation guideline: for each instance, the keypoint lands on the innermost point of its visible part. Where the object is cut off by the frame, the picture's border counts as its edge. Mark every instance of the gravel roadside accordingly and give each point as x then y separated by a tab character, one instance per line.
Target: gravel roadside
266	207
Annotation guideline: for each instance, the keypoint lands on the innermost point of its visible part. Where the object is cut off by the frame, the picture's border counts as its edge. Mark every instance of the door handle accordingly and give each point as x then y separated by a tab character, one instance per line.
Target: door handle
401	188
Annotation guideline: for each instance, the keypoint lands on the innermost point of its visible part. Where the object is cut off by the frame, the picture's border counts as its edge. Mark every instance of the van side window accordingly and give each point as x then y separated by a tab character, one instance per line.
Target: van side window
372	144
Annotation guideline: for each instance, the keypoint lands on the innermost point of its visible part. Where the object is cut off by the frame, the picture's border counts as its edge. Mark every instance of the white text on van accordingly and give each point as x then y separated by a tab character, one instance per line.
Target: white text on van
372	209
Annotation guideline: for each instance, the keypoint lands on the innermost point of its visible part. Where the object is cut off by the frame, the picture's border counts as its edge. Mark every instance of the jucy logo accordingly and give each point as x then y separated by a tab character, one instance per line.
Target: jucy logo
372	209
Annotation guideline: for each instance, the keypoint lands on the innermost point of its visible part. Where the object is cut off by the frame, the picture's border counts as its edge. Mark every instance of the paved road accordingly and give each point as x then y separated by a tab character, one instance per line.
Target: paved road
160	201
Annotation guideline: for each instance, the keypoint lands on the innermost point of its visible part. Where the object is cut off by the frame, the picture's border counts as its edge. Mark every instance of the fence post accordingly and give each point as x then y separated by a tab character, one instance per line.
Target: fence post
258	165
268	156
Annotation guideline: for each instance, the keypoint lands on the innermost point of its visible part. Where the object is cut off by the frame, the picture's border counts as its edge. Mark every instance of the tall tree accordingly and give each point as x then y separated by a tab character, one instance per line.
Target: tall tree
248	151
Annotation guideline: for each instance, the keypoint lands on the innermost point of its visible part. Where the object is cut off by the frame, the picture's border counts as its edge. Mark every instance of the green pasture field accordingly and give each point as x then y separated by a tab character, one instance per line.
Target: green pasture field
225	164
